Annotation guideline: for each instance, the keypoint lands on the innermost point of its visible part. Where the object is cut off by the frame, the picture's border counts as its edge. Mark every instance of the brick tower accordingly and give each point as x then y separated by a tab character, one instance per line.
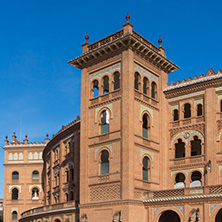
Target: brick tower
123	126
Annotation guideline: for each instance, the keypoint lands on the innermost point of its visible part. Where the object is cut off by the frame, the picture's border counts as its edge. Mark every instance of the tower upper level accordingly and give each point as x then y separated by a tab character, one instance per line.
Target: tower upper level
121	40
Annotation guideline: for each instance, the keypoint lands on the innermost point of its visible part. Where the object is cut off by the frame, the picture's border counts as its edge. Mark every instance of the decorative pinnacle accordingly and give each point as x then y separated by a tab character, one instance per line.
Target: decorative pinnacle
6	137
47	135
14	133
87	37
127	17
26	136
160	41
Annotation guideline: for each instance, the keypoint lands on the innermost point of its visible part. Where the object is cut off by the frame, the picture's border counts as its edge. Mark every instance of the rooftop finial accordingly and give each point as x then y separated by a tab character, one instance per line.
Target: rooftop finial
26	135
160	41
127	17
6	137
14	133
47	135
87	37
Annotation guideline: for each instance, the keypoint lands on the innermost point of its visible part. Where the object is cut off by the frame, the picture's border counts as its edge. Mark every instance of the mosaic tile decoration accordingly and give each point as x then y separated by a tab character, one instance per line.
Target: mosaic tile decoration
183	102
54	217
186	96
155	209
175	107
198	101
187	138
16	186
197	191
108	146
219	88
143	151
180	208
142	71
187	171
219	97
143	108
213	206
108	71
109	106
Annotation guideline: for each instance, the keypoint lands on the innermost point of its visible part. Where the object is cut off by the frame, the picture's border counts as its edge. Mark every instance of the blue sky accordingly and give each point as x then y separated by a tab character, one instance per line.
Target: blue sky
37	38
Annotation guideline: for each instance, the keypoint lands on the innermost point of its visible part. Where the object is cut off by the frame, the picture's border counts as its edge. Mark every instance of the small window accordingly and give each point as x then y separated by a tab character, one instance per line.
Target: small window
15	175
180	178
104	122
199	110
67	175
145	126
72	174
195	146
104	167
175	115
153	90
35	175
145	85
71	196
14	215
145	168
35	194
180	149
221	105
187	110
95	88
196	179
116	80
67	197
136	81
14	194
105	84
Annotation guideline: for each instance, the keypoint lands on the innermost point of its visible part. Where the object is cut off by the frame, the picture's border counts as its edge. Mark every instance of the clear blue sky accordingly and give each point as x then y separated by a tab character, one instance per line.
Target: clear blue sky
37	38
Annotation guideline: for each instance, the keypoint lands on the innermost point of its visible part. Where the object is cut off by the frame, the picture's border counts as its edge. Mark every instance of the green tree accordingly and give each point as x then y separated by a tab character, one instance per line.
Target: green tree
1	218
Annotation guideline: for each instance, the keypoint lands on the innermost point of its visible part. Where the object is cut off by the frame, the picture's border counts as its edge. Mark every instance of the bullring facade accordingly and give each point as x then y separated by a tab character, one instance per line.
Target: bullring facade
143	150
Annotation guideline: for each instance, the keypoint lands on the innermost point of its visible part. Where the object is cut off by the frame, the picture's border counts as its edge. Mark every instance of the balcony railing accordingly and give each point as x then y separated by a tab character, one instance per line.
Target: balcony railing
187	160
187	121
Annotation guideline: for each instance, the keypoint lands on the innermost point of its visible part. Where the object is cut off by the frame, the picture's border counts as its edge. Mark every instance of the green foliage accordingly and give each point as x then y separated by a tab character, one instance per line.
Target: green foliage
1	218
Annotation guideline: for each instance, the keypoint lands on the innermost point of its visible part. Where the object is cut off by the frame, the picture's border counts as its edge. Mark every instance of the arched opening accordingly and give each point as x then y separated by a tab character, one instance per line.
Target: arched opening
136	80
14	215
179	181
221	105
116	80
35	175
154	90
105	84
169	216
218	217
15	175
187	110
72	173
104	122
175	115
67	175
195	146
67	197
35	193
179	149
145	85
95	88
57	220
196	179
71	196
146	168
15	194
145	126
104	166
199	110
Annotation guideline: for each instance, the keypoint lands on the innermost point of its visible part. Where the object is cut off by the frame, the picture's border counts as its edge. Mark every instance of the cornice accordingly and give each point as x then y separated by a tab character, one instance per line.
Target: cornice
124	42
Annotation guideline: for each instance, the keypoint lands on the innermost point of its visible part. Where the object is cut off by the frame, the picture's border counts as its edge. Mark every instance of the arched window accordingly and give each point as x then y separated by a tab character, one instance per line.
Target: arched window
36	156
145	85
187	110
72	173
15	194
104	167
71	196
195	146
153	90
116	80
14	215
136	80
221	105
180	149
146	168
35	193
67	196
35	175
105	84
95	88
196	179
179	179
199	110
175	115
145	126
67	174
104	122
15	175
